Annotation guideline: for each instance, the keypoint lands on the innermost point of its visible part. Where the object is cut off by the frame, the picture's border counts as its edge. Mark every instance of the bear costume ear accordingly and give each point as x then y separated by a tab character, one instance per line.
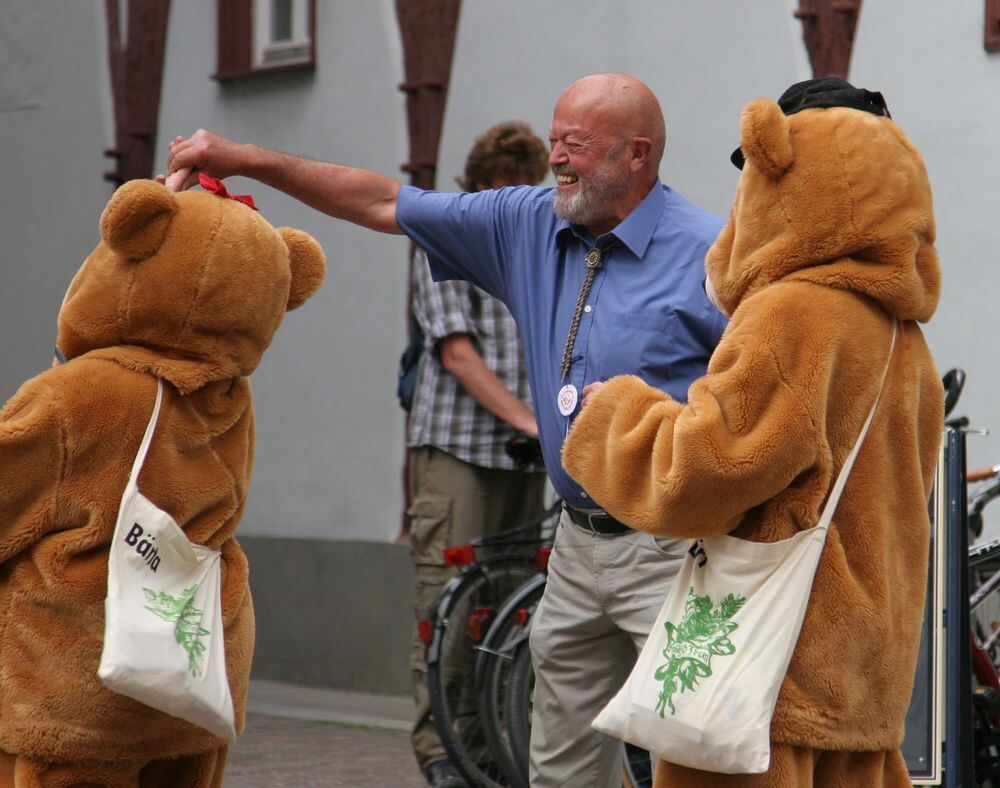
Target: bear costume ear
135	221
308	264
765	137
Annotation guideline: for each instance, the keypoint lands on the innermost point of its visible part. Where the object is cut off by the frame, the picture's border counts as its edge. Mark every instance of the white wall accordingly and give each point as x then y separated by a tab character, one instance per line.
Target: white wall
942	86
704	60
54	128
330	433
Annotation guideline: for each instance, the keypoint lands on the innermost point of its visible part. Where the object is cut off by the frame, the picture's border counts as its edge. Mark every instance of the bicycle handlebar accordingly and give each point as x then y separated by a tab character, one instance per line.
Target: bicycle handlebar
524	450
983	474
953	381
979	503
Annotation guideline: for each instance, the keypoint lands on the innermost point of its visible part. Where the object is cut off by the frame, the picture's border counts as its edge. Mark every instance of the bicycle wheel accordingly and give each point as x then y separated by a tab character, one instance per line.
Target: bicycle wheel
517	703
509	631
468	606
984	603
984	612
637	771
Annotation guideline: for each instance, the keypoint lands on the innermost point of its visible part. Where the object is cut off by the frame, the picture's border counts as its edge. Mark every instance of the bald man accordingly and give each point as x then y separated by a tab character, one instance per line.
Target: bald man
604	275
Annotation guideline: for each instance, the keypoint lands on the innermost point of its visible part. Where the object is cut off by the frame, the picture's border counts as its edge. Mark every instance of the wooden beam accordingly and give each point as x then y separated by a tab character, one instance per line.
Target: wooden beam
828	28
991	26
136	69
428	29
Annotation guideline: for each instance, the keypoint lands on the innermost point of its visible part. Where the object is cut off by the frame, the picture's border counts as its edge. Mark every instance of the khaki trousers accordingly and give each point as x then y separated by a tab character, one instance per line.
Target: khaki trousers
601	599
454	502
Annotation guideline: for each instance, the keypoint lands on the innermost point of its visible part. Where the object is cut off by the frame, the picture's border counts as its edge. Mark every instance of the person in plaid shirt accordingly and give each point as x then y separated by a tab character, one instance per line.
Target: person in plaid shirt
471	397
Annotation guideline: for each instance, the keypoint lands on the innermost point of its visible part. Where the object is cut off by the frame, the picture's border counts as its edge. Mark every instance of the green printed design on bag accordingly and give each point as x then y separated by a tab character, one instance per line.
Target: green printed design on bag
189	632
702	634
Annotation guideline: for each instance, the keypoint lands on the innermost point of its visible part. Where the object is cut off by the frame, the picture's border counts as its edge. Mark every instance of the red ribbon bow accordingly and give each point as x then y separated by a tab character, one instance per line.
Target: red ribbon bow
216	186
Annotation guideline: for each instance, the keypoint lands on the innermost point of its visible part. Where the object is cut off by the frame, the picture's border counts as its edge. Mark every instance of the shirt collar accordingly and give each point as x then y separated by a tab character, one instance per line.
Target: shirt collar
635	231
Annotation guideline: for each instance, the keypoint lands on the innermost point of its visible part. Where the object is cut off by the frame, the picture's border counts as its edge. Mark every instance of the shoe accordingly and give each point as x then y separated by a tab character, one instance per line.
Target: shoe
441	774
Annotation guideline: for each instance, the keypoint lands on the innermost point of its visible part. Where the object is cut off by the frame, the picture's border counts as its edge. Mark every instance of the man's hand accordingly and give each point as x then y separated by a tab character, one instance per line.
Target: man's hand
204	152
591	388
354	195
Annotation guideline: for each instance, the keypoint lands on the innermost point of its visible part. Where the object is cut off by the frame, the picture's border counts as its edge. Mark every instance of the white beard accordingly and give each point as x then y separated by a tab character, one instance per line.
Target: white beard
595	197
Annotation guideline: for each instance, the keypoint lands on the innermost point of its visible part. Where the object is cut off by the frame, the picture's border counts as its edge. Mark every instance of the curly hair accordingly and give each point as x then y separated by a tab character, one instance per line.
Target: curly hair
508	151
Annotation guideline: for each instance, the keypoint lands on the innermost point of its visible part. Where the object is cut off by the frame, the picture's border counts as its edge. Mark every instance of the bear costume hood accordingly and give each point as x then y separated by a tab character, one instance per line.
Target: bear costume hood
808	209
161	284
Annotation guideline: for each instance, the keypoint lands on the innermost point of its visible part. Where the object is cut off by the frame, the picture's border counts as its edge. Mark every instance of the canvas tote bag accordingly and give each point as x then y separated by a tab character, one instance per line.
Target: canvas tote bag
703	690
163	636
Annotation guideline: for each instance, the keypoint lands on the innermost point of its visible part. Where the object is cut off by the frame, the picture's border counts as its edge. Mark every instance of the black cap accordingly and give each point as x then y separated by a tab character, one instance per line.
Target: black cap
823	93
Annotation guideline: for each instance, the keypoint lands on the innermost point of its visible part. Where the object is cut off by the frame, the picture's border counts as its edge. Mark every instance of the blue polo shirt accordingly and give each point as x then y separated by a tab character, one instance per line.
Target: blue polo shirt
647	313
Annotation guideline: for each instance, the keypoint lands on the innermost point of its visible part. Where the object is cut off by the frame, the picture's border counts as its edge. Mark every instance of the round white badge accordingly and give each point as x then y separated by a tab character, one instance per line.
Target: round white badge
567	399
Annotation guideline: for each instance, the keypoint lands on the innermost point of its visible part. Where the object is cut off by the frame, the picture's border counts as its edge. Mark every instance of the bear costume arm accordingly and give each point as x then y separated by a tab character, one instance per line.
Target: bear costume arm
32	449
693	470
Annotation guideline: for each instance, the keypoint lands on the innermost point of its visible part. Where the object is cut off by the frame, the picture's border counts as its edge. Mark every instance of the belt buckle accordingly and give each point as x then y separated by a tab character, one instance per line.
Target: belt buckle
586	519
590	522
591	519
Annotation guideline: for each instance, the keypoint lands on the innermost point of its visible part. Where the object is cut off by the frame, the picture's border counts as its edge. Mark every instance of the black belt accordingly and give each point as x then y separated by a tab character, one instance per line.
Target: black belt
598	522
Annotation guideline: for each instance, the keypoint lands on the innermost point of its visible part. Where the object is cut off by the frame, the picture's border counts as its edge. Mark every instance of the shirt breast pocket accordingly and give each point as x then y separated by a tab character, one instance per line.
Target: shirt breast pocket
636	344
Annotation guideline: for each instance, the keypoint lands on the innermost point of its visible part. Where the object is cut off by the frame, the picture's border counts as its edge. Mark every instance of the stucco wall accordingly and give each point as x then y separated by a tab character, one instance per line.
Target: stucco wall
330	443
513	59
53	131
941	85
330	433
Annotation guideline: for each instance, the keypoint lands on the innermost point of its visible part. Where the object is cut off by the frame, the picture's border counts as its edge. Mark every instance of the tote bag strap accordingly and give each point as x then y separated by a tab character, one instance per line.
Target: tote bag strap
831	503
147	438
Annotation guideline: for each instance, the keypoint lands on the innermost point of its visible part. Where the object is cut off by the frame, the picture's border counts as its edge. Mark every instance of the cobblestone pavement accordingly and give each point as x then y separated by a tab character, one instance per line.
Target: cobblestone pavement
303	736
276	752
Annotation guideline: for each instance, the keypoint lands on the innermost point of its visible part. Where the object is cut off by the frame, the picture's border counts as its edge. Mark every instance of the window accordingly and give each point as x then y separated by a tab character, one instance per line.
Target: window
263	36
282	33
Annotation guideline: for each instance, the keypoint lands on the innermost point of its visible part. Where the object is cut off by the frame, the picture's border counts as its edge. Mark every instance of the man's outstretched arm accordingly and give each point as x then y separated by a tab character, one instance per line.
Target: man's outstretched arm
354	195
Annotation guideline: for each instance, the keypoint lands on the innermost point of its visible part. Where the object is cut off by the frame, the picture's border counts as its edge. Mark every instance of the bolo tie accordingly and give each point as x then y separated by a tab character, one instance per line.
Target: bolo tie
594	259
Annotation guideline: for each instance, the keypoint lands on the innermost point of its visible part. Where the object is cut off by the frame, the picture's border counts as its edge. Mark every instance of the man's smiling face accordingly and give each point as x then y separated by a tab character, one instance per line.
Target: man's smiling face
588	161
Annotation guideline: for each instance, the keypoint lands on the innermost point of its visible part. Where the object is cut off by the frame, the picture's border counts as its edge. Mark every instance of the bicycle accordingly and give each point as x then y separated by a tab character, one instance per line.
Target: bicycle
513	661
471	614
480	677
503	652
984	612
466	608
505	681
971	751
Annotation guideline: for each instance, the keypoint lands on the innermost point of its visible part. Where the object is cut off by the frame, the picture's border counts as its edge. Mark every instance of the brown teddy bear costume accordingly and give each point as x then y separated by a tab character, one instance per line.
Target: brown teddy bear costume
830	237
188	289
